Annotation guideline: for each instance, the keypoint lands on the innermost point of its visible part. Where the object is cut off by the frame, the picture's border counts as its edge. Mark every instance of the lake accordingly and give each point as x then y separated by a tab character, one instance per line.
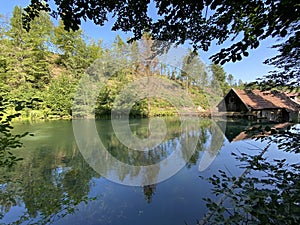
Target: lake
95	173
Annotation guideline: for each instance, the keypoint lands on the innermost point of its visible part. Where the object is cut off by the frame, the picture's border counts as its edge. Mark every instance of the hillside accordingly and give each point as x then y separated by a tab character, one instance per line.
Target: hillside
41	70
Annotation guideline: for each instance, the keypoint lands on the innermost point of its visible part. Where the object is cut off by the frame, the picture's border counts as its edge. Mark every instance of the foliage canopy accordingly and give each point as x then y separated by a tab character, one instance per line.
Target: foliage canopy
241	25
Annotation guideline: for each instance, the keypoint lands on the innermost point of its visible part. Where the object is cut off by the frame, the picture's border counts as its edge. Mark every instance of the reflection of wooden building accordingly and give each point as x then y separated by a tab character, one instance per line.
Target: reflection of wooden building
269	105
237	130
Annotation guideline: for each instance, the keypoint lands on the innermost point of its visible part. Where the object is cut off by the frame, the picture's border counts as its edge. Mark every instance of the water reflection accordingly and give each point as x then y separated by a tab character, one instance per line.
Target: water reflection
237	130
55	180
47	185
158	161
212	146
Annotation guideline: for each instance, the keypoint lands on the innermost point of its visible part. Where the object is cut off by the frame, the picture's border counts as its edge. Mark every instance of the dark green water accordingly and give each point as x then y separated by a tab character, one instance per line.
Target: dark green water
56	181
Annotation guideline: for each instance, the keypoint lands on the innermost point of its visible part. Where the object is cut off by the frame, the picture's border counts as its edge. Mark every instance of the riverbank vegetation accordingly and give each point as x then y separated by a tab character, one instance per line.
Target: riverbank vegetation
47	62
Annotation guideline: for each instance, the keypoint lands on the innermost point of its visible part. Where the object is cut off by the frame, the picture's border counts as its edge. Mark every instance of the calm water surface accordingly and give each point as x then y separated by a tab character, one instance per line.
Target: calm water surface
55	183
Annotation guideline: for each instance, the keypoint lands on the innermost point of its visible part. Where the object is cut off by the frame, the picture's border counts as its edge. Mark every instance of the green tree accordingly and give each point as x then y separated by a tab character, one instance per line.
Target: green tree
193	70
75	54
60	94
230	80
8	142
240	84
120	48
149	62
134	56
26	58
24	61
218	79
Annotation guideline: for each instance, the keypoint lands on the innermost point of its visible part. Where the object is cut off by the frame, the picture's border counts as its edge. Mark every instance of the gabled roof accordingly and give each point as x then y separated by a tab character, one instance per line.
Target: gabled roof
257	99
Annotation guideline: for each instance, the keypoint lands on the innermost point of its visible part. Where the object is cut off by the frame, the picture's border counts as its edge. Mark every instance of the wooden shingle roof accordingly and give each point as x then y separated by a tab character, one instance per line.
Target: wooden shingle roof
257	99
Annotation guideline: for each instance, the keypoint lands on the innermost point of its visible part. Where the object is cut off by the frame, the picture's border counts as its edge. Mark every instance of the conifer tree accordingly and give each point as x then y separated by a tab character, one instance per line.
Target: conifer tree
218	78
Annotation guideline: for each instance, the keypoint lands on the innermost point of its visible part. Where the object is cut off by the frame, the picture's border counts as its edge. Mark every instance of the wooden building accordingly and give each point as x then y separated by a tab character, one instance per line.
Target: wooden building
266	105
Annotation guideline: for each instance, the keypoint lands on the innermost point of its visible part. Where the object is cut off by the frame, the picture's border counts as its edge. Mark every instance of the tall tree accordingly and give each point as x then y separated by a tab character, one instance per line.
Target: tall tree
27	53
75	54
244	23
230	80
194	70
218	78
149	62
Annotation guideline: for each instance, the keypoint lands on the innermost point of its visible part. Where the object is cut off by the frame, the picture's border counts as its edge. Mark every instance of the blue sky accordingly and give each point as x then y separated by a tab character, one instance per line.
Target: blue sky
247	70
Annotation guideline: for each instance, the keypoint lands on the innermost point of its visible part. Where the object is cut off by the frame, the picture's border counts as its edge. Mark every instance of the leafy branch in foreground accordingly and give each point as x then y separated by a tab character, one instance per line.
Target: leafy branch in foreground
286	62
288	140
267	192
8	141
244	23
238	26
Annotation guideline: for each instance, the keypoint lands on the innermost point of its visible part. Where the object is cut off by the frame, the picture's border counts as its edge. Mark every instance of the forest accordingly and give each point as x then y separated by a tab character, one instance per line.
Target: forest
40	70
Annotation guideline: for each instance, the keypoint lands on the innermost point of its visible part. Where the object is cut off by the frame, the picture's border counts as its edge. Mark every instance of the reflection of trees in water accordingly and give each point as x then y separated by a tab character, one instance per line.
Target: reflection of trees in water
52	181
203	136
149	191
49	182
140	129
217	139
179	135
